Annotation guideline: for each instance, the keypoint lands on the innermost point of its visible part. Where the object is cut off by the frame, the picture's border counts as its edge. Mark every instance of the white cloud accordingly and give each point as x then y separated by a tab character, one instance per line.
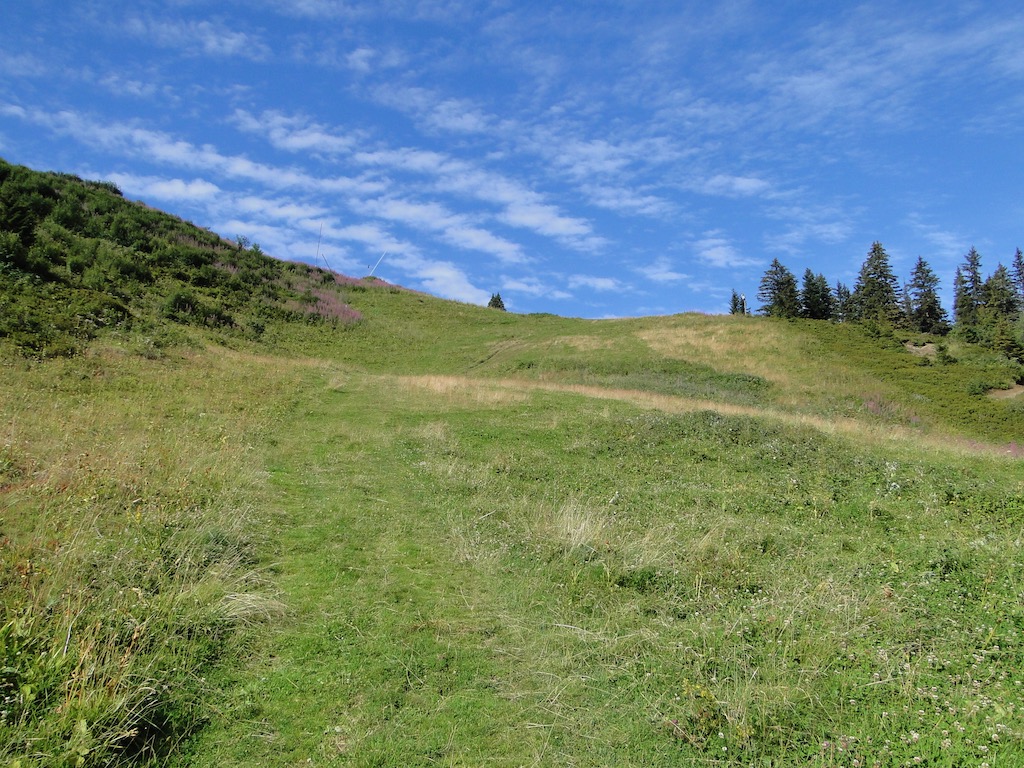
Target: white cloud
544	219
522	207
533	286
735	186
122	86
294	133
198	37
360	59
22	65
441	278
476	239
285	209
627	201
153	145
453	228
662	271
716	250
602	284
458	116
154	187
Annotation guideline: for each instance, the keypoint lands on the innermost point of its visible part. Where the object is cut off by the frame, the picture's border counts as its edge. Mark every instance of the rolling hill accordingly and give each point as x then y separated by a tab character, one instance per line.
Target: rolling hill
257	513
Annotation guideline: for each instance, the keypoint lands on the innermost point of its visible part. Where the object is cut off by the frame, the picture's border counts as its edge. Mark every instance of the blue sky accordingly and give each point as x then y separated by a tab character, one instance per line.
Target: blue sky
597	159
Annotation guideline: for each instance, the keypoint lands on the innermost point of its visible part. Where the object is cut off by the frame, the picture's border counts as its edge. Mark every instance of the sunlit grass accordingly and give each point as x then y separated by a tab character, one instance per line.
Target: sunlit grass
133	542
499	546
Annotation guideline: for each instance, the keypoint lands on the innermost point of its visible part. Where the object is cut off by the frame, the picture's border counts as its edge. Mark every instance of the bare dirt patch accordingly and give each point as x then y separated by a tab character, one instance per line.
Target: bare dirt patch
1007	394
924	350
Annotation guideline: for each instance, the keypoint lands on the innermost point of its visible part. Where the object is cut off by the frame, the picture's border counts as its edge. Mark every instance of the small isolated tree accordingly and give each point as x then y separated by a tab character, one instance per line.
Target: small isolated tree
778	293
816	300
924	311
496	302
737	304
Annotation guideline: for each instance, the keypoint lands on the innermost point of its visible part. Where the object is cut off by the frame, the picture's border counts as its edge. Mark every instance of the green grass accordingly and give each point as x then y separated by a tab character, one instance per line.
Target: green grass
395	544
254	514
486	575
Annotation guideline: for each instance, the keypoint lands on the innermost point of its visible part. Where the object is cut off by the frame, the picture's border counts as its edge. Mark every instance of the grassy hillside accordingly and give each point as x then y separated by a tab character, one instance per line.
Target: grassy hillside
327	521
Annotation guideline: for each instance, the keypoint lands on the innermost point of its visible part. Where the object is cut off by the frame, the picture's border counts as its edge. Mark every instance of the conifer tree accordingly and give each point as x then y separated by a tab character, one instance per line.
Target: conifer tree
778	293
876	294
999	300
816	300
842	305
1018	275
737	304
967	294
496	302
924	310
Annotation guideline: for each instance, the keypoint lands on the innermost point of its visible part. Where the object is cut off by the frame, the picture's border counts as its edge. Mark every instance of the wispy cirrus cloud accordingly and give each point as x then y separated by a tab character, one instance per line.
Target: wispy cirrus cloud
662	271
160	147
209	38
533	286
715	250
295	133
455	229
594	283
445	279
734	186
434	111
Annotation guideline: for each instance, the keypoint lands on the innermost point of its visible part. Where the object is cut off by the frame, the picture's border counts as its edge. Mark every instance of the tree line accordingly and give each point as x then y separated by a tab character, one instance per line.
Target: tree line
987	311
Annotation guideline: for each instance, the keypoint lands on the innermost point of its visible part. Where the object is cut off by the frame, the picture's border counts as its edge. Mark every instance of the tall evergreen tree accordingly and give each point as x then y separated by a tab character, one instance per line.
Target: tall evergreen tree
967	297
999	300
842	306
1018	275
496	302
876	294
778	293
816	300
924	310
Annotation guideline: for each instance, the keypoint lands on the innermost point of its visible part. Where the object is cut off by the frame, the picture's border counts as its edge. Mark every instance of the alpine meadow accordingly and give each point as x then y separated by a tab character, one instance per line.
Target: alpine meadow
257	513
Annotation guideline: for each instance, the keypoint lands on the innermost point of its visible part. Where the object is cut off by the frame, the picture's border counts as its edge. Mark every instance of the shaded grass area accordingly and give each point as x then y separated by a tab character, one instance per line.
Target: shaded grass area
542	578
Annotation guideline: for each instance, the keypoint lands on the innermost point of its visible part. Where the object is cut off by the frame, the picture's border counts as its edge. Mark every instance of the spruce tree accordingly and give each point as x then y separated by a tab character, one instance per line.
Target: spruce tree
924	310
876	294
496	302
778	293
816	300
967	298
842	305
999	300
1018	275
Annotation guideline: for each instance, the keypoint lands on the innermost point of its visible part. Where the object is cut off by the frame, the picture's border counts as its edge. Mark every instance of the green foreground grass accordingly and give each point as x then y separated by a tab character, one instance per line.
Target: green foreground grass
455	537
483	577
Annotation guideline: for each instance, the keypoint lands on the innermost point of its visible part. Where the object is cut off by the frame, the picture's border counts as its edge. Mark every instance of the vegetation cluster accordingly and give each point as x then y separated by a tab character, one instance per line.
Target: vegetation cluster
988	311
76	257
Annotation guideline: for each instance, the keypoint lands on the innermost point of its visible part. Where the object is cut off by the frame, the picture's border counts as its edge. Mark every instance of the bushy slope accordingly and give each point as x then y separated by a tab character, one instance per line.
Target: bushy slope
77	258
